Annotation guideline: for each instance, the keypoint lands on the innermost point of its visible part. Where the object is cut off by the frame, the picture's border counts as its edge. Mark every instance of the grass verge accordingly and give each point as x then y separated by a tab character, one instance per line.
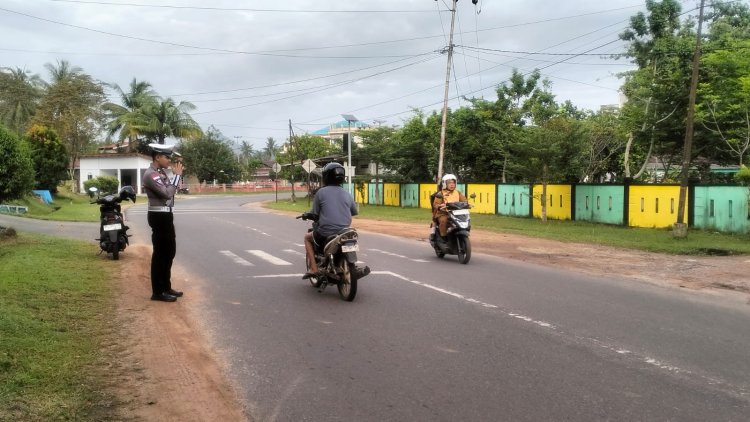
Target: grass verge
56	311
698	242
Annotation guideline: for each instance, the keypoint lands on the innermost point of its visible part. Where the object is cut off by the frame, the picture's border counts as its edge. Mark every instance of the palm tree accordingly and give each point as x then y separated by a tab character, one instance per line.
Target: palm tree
164	118
62	72
20	92
122	116
270	150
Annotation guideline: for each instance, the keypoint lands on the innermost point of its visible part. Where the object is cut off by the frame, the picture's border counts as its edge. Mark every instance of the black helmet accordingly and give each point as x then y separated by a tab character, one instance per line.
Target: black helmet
333	174
127	192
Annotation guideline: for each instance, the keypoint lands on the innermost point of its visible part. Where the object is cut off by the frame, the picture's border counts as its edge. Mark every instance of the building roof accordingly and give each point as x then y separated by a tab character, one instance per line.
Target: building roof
343	124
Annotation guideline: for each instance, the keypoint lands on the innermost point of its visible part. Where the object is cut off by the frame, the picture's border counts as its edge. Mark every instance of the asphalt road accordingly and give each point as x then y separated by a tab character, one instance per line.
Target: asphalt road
432	340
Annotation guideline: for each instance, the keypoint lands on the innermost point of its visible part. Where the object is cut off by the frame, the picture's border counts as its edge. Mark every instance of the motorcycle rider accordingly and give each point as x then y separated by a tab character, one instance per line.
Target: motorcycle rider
334	207
447	194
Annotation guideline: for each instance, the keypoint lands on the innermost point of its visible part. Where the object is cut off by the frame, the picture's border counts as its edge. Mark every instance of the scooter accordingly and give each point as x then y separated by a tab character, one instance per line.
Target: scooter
457	240
336	260
113	237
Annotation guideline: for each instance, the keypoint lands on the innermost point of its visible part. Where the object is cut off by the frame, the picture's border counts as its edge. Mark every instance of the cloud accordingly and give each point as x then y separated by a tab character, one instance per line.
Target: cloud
194	54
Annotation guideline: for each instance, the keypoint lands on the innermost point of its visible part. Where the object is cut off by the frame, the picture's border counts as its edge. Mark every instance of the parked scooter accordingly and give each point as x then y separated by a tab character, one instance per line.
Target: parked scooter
336	260
457	240
113	236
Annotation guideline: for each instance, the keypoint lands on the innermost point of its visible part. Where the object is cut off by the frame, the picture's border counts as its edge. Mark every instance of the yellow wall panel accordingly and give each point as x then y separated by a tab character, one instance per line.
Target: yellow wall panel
425	190
391	194
363	196
654	206
483	201
558	201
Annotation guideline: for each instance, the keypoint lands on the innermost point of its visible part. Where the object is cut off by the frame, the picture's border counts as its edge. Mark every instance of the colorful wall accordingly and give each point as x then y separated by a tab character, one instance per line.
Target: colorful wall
600	203
654	206
721	208
558	202
513	200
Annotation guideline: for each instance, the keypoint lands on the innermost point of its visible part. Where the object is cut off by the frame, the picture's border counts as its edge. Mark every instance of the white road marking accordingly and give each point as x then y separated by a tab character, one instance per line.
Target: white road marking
268	257
236	258
557	330
292	251
398	256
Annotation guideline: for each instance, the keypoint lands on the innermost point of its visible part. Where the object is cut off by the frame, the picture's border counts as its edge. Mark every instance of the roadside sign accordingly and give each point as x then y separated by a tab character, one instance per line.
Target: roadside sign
309	165
276	167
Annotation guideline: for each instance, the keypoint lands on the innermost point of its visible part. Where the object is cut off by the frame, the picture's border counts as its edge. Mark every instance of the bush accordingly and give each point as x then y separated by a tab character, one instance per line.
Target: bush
105	184
743	176
16	167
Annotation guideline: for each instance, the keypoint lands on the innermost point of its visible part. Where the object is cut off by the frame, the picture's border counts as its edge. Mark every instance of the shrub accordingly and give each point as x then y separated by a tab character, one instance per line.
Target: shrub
105	184
16	167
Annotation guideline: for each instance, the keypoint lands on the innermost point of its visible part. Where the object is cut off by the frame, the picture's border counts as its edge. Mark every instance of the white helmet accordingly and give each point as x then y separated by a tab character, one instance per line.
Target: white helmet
448	177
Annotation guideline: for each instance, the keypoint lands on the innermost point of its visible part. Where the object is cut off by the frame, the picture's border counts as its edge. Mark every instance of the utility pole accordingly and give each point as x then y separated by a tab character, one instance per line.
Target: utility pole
445	97
680	227
291	158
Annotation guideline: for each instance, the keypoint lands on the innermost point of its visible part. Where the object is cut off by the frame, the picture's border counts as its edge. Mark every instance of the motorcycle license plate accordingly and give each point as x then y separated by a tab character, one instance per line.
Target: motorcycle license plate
460	212
108	227
350	248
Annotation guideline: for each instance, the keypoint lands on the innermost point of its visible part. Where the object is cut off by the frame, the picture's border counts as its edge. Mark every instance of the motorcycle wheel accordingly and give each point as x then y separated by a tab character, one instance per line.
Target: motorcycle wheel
348	283
464	249
314	281
439	253
116	251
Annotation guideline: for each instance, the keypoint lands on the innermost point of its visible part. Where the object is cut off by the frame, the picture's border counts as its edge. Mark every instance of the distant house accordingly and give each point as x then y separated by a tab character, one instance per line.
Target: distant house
127	168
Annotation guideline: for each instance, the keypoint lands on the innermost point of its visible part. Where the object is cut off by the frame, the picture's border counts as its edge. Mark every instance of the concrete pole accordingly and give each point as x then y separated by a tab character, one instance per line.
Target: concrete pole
445	98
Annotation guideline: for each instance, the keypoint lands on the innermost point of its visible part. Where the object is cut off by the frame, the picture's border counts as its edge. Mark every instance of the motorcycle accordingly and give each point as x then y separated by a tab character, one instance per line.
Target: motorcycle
113	237
459	226
336	260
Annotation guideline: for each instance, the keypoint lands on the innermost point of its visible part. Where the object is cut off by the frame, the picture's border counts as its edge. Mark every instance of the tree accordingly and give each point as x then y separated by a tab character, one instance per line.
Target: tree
377	146
20	92
521	101
551	153
270	150
603	142
49	156
122	118
662	48
72	107
210	157
418	150
160	119
16	168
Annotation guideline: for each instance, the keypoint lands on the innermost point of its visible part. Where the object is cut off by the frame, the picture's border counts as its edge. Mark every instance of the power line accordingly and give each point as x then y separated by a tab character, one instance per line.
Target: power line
256	53
237	9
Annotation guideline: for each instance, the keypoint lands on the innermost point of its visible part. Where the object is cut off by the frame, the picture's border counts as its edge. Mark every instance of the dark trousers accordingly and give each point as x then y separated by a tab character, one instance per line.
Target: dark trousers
165	247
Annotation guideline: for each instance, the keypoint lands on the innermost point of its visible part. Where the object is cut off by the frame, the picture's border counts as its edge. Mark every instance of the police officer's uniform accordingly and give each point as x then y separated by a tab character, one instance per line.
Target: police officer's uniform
160	191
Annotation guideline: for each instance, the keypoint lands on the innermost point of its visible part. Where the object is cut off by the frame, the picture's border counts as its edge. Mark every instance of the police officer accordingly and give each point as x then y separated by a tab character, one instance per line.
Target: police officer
160	191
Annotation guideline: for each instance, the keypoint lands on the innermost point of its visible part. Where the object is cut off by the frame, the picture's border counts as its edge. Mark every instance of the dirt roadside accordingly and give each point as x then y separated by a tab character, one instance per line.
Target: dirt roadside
164	368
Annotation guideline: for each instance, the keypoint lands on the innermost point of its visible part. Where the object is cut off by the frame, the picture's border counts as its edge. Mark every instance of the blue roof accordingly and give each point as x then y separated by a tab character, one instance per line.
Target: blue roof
343	124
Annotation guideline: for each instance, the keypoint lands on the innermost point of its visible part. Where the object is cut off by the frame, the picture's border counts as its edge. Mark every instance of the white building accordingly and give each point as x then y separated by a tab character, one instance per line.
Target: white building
127	168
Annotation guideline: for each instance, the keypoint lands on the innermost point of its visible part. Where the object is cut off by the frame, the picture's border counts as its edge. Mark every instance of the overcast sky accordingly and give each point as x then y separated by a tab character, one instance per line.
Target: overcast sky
251	65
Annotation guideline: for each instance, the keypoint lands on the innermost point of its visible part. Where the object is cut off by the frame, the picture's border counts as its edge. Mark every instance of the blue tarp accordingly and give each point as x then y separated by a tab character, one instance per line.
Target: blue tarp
45	195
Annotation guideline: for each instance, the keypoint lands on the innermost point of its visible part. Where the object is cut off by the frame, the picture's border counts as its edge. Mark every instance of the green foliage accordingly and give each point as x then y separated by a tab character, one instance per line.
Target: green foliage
210	157
157	119
105	184
72	107
49	156
20	92
743	176
16	167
